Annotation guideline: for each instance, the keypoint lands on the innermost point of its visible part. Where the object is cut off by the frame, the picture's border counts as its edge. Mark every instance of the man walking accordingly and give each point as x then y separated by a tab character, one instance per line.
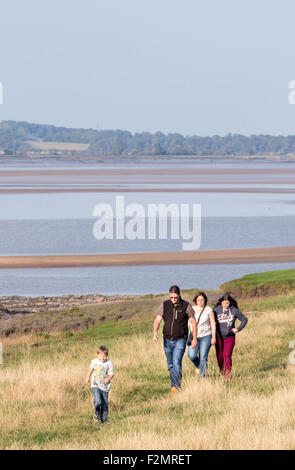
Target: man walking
175	312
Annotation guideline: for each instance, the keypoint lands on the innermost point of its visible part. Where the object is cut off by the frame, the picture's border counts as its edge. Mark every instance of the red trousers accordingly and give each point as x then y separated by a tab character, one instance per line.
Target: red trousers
224	349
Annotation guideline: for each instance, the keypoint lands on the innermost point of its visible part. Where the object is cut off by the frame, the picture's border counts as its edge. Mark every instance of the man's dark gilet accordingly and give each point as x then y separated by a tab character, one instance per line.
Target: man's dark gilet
175	319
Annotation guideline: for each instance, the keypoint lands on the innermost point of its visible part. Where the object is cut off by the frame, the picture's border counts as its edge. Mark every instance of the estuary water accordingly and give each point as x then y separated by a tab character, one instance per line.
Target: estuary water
62	223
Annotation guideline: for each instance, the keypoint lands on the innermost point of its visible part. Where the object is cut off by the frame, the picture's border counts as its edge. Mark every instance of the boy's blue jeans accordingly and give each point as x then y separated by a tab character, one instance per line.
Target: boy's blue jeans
199	355
100	402
174	350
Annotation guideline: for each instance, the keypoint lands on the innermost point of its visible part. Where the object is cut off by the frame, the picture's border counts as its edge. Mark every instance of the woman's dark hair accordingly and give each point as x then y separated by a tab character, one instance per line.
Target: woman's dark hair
201	294
175	290
228	297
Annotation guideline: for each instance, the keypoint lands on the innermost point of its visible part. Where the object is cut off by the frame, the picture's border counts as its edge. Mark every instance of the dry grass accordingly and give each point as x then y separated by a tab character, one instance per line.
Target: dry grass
43	145
44	402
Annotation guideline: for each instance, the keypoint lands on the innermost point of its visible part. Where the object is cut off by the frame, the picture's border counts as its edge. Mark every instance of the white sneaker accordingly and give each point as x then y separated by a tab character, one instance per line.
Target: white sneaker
197	370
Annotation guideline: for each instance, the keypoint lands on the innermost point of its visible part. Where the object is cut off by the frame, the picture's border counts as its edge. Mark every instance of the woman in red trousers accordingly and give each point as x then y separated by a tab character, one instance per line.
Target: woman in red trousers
226	311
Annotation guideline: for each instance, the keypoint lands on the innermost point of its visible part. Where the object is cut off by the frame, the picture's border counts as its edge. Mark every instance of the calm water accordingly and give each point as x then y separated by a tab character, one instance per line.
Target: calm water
81	205
63	224
123	280
33	237
162	162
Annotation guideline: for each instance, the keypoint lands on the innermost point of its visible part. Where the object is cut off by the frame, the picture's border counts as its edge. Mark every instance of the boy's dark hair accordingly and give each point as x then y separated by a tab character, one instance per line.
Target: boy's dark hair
103	349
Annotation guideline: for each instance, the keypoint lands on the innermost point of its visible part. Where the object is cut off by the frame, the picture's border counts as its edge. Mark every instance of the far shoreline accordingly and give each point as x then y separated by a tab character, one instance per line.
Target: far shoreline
147	190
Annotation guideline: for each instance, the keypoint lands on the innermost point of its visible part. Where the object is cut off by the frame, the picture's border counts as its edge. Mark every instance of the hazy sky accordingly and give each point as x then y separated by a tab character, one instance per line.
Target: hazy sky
185	66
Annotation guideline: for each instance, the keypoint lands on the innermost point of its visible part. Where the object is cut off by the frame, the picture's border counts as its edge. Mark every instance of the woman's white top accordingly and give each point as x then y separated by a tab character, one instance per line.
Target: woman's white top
204	326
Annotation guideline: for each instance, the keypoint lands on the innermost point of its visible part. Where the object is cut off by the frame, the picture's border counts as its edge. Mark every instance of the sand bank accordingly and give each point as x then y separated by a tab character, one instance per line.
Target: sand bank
13	181
241	256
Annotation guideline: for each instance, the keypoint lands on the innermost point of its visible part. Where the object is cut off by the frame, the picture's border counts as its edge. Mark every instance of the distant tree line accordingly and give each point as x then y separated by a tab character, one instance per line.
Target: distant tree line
15	137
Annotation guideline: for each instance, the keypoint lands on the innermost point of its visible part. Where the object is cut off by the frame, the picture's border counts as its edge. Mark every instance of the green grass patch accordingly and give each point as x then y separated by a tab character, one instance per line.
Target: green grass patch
269	283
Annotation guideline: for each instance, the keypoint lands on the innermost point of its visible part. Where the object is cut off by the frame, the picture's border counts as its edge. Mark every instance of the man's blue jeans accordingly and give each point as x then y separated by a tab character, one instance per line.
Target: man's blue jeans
174	350
199	355
100	402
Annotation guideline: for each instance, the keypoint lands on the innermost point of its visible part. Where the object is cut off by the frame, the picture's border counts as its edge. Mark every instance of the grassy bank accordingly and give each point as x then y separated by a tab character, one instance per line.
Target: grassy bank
44	402
84	317
270	283
274	289
79	318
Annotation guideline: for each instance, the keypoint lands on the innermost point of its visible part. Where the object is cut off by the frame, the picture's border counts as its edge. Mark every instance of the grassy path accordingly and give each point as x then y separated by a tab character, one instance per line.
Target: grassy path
44	402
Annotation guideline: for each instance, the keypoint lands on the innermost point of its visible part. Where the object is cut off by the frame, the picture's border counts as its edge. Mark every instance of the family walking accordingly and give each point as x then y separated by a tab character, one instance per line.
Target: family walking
197	326
200	327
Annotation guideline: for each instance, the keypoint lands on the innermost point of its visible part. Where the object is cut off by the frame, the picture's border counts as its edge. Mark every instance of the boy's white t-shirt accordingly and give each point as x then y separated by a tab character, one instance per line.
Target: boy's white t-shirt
101	371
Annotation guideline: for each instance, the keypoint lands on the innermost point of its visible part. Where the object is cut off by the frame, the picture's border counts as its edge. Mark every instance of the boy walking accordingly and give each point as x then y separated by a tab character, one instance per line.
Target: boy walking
102	371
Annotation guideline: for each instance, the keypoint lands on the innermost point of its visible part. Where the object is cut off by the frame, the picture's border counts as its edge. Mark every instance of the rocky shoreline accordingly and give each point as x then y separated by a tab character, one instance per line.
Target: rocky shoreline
18	306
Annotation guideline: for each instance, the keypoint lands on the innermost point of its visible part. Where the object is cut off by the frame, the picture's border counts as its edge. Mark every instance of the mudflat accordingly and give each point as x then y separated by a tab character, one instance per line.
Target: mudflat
151	171
235	180
238	256
147	190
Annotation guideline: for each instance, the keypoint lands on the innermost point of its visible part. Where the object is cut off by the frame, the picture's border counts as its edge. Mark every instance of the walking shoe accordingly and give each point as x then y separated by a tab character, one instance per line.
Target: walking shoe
174	390
95	418
106	422
197	370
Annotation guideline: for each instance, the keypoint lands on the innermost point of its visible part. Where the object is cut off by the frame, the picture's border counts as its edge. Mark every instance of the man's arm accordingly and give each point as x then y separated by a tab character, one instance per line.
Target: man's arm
157	322
195	331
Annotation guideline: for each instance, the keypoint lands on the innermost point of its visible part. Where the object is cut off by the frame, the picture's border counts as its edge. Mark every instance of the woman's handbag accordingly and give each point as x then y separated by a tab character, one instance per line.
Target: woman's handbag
189	339
190	336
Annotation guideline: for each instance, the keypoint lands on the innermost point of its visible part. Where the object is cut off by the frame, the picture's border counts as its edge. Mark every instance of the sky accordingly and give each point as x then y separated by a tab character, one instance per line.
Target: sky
187	66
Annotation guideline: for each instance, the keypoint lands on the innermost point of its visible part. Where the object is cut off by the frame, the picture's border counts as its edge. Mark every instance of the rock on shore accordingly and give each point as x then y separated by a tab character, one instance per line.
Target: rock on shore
17	305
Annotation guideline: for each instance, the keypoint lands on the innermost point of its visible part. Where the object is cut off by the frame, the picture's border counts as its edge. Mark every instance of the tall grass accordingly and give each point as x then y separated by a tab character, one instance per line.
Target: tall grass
45	403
